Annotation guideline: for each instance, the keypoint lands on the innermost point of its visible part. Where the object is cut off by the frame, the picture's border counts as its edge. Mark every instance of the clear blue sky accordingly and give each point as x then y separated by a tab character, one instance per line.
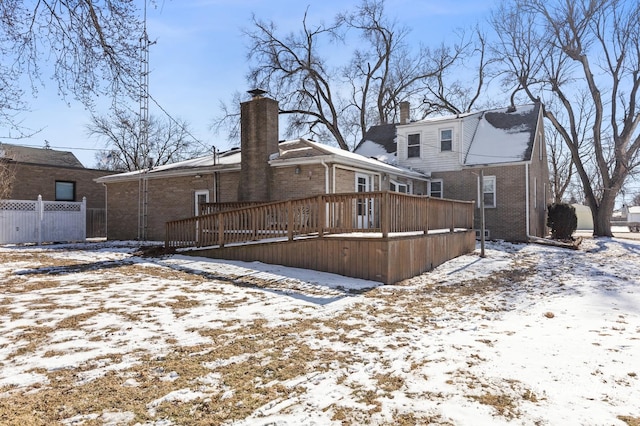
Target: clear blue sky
199	59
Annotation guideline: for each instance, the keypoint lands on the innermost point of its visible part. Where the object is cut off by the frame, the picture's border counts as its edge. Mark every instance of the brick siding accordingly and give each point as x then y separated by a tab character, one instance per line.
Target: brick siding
32	180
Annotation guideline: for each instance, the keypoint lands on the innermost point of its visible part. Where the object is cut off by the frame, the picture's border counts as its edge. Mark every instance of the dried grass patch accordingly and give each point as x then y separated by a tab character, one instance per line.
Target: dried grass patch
502	403
630	421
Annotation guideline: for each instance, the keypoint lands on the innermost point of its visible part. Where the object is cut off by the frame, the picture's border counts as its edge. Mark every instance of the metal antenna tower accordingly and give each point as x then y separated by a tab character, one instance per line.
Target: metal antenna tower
145	161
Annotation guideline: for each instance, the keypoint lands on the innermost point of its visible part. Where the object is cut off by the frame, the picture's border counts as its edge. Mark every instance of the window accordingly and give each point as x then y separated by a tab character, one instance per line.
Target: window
489	192
398	187
65	191
435	188
413	146
446	140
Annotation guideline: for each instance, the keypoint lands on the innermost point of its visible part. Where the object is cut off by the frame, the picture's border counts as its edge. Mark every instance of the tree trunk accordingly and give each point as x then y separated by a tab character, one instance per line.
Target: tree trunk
602	216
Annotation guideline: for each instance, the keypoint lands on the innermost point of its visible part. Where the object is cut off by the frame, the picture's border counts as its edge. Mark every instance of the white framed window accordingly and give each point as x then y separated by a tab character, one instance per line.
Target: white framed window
413	145
399	187
65	191
436	188
488	192
446	140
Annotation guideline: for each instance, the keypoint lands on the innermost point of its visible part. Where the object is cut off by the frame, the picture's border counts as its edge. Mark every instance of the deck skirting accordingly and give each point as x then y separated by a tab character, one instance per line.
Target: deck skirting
386	260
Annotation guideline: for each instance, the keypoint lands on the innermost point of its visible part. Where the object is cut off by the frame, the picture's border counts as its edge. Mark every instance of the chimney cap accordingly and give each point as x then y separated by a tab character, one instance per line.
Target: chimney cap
256	93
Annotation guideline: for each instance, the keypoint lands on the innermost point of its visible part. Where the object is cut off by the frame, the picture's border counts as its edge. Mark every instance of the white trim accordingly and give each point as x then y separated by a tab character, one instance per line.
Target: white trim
444	129
481	192
441	187
197	193
408	186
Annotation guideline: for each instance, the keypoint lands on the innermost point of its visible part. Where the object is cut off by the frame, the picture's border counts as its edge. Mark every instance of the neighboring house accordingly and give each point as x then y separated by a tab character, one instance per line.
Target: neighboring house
140	203
506	145
55	175
633	214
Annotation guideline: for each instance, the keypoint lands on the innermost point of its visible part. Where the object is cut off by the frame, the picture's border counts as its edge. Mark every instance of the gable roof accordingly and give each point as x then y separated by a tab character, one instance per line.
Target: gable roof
503	135
43	156
497	136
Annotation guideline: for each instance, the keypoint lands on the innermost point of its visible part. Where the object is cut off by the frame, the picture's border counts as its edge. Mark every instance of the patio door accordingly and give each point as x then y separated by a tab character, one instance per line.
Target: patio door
364	205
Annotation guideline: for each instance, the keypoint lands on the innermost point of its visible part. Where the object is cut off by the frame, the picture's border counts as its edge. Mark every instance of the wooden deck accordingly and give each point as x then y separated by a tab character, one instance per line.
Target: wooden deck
380	236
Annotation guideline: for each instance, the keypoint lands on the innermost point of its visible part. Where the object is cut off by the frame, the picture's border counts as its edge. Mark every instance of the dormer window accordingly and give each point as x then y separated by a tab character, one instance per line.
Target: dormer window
446	140
413	146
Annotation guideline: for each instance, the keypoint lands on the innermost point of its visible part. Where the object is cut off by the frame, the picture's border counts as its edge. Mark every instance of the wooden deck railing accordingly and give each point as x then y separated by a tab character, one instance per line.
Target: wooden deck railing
382	212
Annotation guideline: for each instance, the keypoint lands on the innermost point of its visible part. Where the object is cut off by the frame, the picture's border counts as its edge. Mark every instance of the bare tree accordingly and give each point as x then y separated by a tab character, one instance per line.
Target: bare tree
88	47
334	102
561	170
168	141
448	92
558	51
7	176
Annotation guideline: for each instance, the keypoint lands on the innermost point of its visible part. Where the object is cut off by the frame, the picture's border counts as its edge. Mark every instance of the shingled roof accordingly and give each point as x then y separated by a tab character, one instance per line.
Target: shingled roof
380	143
48	157
503	135
497	136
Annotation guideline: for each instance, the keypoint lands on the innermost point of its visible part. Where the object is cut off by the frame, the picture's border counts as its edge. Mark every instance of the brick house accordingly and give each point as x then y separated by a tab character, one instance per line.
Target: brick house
56	175
263	169
505	145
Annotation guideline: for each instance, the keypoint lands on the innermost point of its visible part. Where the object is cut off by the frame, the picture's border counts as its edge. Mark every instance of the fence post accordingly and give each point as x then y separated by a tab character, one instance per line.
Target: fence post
83	210
39	217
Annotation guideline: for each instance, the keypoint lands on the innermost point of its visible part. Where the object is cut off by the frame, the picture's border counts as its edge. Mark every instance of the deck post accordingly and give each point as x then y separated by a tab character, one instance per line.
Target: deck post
289	220
384	212
453	217
426	220
321	215
167	228
220	229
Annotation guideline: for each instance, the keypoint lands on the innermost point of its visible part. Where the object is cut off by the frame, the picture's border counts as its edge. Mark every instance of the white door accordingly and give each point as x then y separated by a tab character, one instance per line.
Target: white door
364	206
201	196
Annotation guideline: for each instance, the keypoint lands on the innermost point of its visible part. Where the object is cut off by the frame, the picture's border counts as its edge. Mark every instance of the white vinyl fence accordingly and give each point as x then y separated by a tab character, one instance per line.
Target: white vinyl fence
27	221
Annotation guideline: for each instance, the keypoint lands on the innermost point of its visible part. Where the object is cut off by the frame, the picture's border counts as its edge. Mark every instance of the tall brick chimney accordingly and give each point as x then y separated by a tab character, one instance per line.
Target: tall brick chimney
404	112
258	141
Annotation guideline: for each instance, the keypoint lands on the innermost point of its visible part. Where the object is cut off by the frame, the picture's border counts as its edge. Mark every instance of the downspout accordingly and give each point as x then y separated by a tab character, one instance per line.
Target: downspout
106	204
334	177
526	174
326	176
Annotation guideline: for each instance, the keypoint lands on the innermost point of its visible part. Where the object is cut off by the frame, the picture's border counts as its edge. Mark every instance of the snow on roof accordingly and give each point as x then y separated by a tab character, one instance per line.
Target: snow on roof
374	163
502	136
289	150
634	209
226	158
371	149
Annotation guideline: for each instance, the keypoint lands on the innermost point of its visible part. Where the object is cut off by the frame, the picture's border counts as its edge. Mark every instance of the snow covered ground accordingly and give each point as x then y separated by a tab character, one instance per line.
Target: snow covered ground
529	335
